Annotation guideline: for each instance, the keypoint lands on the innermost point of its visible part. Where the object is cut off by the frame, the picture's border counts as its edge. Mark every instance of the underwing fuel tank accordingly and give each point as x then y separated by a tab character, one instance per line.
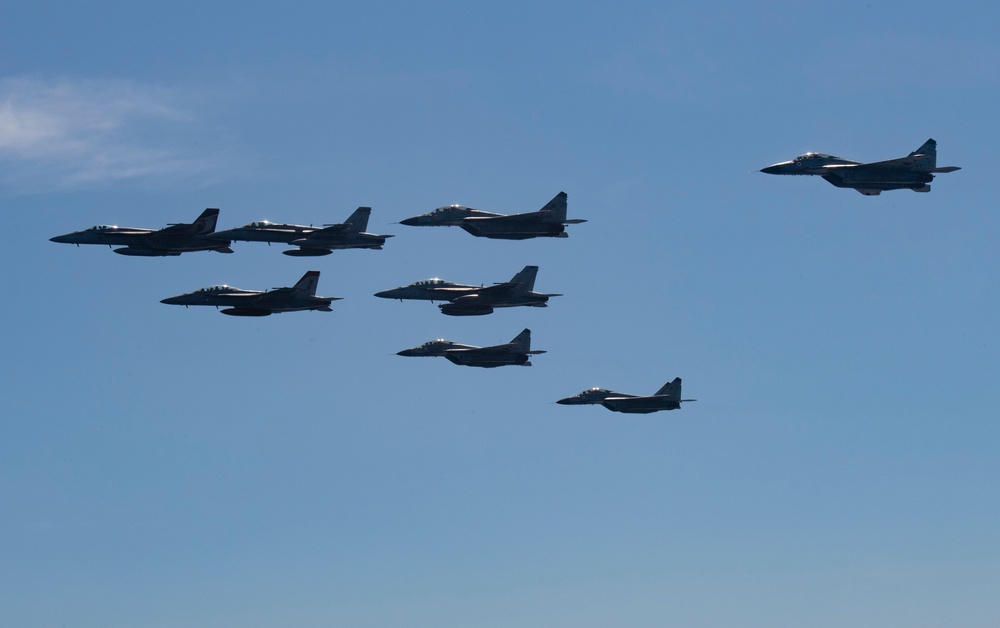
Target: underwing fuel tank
246	311
453	309
307	252
136	252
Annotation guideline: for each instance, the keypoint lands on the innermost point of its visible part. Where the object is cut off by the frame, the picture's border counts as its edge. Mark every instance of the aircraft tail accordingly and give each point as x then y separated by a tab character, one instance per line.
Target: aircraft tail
205	223
526	278
671	388
926	154
556	207
522	341
308	283
358	221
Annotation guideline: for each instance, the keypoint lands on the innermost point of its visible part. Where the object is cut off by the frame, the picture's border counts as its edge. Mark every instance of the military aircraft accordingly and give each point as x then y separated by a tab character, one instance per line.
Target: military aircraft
468	300
171	240
914	172
517	351
550	221
349	235
301	296
666	398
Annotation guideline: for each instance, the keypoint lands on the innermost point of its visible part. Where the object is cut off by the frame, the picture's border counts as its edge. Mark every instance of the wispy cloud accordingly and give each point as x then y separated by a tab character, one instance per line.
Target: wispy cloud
65	134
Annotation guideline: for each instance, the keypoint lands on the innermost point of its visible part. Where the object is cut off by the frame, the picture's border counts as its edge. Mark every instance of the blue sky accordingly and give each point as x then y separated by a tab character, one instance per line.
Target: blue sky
162	466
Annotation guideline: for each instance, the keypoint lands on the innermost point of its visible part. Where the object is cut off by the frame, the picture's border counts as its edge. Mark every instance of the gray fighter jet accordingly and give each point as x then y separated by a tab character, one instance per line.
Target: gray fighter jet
550	221
349	235
517	351
666	398
467	300
301	296
171	240
914	172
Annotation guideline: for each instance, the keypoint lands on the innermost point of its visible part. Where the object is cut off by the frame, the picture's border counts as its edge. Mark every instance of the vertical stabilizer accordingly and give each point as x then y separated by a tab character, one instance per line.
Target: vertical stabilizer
526	278
671	388
926	154
308	283
522	341
205	223
358	221
556	207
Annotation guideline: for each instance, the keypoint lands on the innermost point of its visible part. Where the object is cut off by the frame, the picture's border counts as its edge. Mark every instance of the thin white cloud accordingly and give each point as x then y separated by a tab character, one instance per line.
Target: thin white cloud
59	134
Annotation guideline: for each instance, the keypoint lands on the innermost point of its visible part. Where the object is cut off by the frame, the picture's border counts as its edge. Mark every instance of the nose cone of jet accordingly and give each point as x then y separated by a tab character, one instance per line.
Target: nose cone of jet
411	222
63	239
407	353
388	294
570	401
775	169
178	300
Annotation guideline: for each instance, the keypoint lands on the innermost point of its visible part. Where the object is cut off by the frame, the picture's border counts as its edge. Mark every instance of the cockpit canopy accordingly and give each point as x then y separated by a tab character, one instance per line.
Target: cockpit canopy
103	227
260	224
210	289
449	208
433	281
815	156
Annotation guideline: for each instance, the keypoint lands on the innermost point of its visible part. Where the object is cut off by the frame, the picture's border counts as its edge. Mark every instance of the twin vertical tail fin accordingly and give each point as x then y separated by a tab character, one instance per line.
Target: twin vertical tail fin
526	278
358	221
205	223
522	341
308	283
671	388
556	207
926	155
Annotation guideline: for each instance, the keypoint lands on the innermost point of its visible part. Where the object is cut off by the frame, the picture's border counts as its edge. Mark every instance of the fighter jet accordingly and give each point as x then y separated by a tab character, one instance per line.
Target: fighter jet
467	300
550	221
301	296
666	398
914	172
517	351
171	240
349	235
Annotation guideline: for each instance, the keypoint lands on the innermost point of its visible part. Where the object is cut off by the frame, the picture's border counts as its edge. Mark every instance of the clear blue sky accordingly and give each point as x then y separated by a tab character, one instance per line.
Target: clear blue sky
163	467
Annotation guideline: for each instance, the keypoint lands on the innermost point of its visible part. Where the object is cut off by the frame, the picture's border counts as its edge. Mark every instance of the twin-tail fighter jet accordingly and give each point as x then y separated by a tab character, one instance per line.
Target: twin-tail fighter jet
548	222
666	398
171	240
301	296
914	172
517	351
467	300
312	241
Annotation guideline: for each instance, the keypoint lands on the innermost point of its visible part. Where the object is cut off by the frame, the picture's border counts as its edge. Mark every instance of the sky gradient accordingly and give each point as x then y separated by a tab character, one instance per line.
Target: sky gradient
162	466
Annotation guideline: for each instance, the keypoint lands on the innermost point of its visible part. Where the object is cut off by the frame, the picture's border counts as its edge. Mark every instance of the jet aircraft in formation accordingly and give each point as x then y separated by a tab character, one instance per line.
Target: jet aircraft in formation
171	240
914	172
666	398
312	241
301	296
550	221
468	300
517	351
